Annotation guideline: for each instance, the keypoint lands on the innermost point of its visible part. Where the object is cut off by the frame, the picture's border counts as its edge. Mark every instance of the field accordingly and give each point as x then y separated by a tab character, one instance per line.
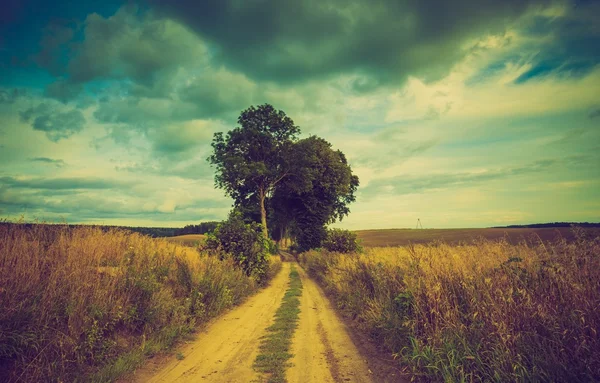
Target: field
86	304
187	239
483	311
403	237
83	304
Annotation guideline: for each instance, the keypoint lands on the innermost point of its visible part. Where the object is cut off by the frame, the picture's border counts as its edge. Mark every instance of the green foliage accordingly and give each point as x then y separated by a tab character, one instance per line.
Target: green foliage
341	241
272	247
310	231
301	186
318	191
244	242
250	160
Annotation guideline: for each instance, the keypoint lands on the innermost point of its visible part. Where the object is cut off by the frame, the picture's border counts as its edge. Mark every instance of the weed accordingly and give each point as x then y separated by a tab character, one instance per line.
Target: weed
86	304
274	349
484	311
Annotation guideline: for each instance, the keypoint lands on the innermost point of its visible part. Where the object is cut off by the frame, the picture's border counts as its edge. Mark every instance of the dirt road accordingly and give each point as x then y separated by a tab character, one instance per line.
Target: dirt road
225	351
323	351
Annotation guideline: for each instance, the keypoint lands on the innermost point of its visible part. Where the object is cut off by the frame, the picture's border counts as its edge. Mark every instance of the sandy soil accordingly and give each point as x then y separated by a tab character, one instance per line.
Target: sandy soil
226	349
323	350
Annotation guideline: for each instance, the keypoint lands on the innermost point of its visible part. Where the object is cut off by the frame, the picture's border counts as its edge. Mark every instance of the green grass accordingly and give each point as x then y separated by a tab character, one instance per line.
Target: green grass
274	354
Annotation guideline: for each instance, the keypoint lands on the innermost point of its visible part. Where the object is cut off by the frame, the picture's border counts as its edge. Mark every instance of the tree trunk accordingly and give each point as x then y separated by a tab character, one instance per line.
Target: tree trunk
263	213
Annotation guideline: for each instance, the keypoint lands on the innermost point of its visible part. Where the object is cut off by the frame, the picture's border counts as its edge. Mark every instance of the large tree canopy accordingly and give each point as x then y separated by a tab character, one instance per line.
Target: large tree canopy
301	185
317	192
249	161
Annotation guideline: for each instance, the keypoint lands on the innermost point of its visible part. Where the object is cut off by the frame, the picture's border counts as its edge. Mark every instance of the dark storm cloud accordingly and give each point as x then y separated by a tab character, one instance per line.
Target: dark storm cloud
9	96
130	45
570	43
56	123
385	40
415	184
49	161
563	45
63	90
55	47
220	94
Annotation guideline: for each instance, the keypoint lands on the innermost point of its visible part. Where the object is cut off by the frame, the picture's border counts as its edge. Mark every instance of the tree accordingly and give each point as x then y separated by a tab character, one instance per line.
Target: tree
250	160
317	192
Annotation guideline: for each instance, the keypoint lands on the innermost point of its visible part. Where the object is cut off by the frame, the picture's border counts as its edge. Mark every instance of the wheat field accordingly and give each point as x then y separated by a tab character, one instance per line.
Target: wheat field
483	311
85	304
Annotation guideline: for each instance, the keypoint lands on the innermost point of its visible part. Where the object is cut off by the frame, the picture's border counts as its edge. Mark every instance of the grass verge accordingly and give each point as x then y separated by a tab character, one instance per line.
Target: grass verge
274	349
85	304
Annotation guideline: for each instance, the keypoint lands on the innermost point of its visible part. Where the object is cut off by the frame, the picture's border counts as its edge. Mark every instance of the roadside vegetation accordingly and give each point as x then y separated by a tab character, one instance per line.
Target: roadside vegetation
89	304
274	351
482	311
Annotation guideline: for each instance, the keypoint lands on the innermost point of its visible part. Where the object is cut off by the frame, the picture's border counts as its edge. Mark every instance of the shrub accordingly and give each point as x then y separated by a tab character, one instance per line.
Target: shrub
244	242
341	241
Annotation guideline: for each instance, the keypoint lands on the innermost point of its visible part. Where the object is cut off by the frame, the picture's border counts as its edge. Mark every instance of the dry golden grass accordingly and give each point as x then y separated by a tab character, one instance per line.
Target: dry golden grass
487	311
188	239
404	237
85	304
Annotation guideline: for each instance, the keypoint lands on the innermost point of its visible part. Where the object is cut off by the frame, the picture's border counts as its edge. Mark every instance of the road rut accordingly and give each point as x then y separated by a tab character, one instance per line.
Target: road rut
323	351
225	351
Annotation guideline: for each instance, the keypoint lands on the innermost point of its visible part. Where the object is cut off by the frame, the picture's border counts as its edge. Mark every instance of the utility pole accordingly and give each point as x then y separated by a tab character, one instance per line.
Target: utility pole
419	223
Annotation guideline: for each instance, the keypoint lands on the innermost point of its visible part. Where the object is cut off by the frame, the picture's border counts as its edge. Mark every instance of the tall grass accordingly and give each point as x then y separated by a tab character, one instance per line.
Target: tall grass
84	304
487	311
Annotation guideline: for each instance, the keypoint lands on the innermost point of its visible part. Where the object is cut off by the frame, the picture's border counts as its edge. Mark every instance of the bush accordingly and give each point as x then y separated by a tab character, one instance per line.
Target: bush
244	242
341	241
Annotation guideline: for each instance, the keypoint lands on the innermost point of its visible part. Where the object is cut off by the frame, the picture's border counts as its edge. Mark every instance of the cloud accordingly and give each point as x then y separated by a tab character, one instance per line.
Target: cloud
384	40
410	184
56	122
130	45
566	42
594	113
220	93
50	161
63	183
196	168
54	45
103	204
10	96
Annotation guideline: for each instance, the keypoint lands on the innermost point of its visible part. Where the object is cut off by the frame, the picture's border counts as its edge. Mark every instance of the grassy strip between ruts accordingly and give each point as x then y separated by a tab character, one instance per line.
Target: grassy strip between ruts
274	349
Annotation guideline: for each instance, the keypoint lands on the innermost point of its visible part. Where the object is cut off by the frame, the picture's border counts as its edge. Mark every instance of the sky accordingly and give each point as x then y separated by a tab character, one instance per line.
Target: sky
470	113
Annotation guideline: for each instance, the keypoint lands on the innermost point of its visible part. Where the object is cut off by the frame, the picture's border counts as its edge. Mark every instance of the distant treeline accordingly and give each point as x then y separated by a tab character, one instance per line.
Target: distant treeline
552	224
202	228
